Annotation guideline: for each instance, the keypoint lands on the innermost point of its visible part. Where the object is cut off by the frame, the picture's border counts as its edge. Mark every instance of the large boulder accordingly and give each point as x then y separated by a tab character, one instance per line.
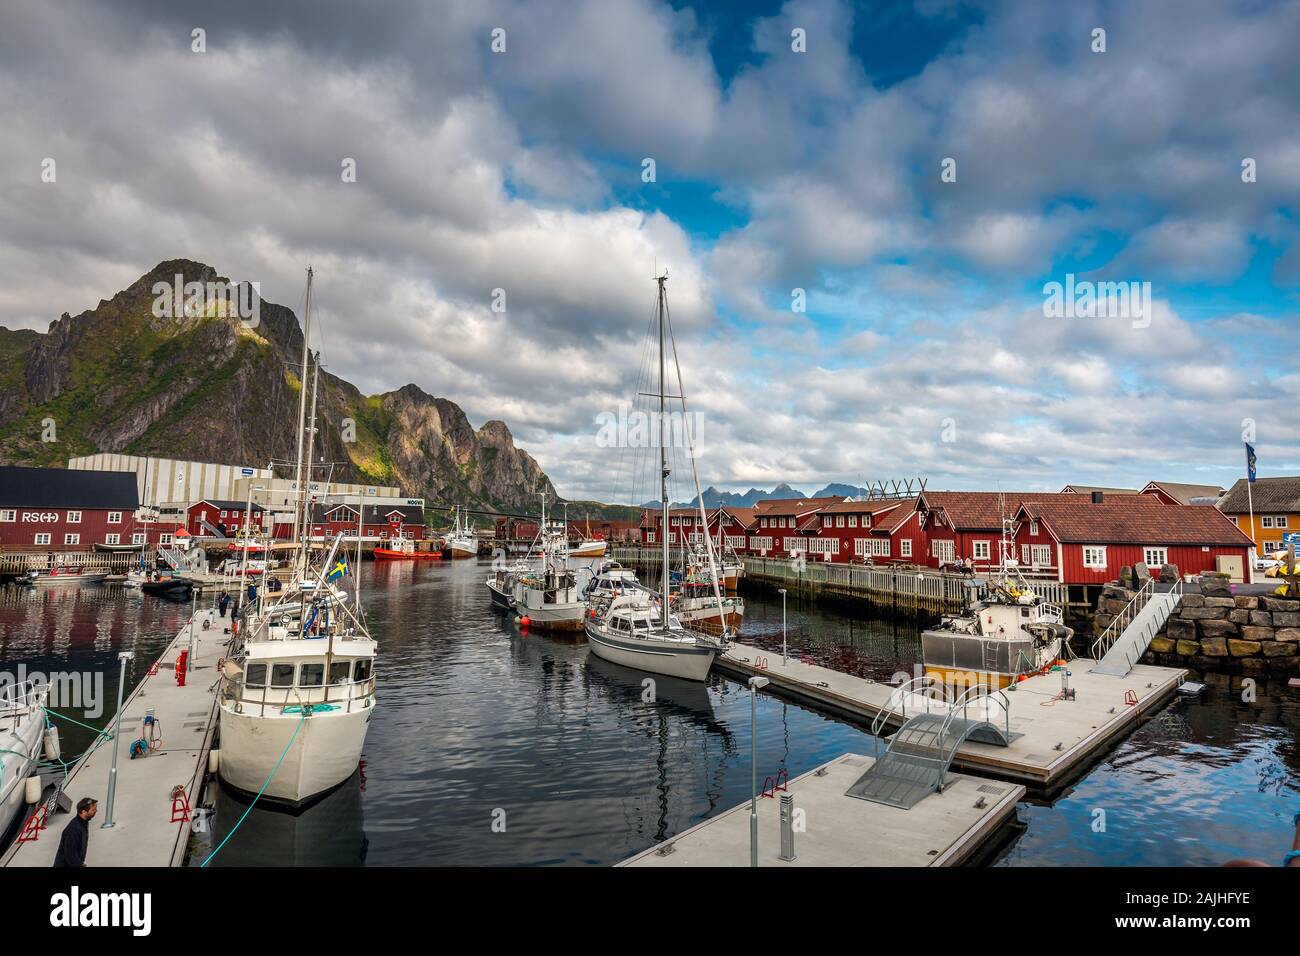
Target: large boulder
1188	648
1181	630
1193	600
1243	648
1290	634
1163	645
1286	618
1261	619
1277	648
1214	647
1248	601
1217	629
1220	602
1168	573
1257	633
1278	604
1205	614
1213	585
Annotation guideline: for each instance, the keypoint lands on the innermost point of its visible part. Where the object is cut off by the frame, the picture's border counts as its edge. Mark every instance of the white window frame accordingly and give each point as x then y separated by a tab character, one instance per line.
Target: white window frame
71	538
166	539
1149	550
1033	528
982	550
944	549
1024	555
904	547
74	517
1046	553
1280	521
115	517
138	537
112	539
9	514
853	521
1097	558
650	537
42	537
761	543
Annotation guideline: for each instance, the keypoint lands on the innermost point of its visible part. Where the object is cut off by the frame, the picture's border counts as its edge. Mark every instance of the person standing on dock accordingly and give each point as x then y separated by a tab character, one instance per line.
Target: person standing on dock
75	840
223	602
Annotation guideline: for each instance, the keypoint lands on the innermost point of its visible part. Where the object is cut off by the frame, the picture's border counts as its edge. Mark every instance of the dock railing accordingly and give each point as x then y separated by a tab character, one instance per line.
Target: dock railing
1122	620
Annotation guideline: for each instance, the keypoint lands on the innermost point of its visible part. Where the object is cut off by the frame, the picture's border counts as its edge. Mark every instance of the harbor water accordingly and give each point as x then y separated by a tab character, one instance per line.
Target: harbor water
493	745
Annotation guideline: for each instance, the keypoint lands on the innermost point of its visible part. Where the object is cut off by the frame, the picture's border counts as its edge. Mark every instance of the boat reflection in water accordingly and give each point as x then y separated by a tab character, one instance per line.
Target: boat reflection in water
328	832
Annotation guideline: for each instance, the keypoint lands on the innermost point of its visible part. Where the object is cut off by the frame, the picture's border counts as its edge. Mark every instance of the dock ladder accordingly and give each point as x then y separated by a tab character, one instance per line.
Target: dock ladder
1126	639
919	754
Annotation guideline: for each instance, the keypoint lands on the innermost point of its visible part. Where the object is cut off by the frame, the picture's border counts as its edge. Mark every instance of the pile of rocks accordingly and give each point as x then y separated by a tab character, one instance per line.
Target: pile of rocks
1219	630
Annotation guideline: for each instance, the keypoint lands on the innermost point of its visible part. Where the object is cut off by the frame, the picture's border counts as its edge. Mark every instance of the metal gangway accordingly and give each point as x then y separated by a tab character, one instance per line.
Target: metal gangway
181	560
1126	639
919	754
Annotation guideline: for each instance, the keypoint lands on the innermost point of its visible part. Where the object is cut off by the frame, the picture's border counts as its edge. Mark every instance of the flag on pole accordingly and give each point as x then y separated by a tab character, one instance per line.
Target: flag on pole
340	568
1250	463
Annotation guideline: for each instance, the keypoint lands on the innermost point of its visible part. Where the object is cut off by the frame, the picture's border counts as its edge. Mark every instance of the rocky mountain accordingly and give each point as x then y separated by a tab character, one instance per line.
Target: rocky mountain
201	384
713	497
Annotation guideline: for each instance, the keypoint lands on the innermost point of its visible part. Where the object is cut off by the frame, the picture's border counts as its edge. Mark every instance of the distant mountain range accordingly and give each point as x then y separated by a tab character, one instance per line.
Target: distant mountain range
714	498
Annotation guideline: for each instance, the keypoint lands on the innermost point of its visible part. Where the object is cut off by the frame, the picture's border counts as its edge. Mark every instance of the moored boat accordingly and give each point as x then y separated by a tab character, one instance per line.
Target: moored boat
461	542
22	732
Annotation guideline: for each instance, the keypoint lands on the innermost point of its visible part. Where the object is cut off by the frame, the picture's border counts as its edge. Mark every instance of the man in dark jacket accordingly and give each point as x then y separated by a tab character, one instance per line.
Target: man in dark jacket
223	602
76	835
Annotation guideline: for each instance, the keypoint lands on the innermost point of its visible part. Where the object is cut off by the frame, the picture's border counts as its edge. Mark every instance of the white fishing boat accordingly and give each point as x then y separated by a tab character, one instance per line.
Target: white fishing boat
462	542
636	629
696	606
609	581
549	596
298	691
22	734
593	548
1005	634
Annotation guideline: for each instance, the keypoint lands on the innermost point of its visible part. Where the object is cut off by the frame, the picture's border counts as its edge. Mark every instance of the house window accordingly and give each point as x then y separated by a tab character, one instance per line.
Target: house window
1042	556
112	539
165	540
43	538
905	547
115	517
72	539
8	514
827	521
1024	554
1094	556
839	521
650	537
1155	556
223	512
853	521
1280	521
137	538
875	547
981	550
942	549
74	517
1033	527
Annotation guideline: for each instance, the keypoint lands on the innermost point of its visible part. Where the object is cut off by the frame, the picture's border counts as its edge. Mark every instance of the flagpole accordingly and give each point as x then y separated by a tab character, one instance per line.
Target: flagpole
1250	503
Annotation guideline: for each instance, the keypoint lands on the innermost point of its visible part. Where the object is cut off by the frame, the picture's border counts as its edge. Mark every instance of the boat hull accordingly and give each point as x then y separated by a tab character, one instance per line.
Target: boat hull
688	663
710	621
563	617
594	549
325	752
968	659
500	599
54	580
386	554
26	739
458	553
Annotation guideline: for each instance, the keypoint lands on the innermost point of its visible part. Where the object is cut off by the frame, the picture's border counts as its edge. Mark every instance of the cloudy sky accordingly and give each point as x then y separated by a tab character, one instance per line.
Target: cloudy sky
1171	158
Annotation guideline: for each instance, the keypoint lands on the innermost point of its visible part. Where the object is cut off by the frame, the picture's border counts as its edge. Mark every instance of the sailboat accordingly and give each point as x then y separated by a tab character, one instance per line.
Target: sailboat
298	690
588	547
22	732
637	628
462	543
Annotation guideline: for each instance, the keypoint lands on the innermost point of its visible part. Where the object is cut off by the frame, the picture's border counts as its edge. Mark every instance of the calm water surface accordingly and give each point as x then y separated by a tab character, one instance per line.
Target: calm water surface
491	746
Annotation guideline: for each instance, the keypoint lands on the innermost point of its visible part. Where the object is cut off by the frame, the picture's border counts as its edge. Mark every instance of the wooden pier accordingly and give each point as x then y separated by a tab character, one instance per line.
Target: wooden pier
945	829
890	587
144	831
1058	739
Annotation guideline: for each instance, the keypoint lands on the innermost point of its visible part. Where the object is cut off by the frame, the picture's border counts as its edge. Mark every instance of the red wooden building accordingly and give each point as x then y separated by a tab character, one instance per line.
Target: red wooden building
383	522
225	516
968	524
60	509
1086	540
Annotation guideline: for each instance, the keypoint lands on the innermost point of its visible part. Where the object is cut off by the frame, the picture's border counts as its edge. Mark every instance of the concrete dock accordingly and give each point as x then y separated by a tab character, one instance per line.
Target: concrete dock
1057	738
143	833
944	829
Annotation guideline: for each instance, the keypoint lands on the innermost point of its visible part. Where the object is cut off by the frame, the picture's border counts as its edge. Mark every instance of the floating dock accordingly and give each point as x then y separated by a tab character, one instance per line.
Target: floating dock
144	832
947	828
1053	739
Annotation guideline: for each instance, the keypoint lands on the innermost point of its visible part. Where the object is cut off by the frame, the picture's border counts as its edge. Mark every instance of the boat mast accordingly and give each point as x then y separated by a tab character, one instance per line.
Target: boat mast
311	451
302	399
663	455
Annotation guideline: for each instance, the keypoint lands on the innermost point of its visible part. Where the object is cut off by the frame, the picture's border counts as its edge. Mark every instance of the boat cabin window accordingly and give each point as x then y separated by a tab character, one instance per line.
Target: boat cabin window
281	675
340	671
255	676
312	674
363	670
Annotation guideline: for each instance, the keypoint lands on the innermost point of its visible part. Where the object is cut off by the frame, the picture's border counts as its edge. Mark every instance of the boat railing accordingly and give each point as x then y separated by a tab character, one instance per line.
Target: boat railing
21	700
345	693
1123	619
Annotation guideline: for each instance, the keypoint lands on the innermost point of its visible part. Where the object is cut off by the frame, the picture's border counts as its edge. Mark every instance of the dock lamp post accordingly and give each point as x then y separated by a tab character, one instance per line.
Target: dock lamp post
123	657
755	685
784	655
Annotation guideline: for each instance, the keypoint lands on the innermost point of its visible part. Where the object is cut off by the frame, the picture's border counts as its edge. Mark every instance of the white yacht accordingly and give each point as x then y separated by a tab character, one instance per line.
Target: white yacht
636	629
22	732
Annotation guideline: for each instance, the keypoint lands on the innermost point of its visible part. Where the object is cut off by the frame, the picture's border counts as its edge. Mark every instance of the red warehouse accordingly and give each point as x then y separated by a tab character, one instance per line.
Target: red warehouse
968	524
1086	540
788	525
61	509
383	522
858	531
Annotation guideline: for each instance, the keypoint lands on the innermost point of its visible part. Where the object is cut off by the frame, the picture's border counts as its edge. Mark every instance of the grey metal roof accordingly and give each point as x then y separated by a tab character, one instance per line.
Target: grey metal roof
1268	495
67	488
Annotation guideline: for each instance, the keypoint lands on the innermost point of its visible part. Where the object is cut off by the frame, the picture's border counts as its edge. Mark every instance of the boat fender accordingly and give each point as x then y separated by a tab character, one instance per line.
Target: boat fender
525	621
51	743
32	789
214	760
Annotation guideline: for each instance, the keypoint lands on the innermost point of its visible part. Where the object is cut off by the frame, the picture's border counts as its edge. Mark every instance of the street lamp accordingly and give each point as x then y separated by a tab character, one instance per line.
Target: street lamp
784	657
755	685
123	657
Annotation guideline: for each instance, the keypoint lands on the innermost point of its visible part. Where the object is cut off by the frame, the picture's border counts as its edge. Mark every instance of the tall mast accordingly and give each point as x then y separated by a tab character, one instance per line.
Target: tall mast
663	455
302	400
311	452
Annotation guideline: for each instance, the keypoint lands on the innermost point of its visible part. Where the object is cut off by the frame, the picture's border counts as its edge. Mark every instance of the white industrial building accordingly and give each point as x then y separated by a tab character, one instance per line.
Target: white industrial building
166	481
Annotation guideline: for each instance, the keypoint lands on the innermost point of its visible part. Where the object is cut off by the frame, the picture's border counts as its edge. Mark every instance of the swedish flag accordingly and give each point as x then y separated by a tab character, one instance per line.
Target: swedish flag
340	568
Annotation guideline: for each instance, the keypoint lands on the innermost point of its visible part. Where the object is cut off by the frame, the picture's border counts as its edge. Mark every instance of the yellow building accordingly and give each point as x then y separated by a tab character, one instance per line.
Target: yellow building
1276	507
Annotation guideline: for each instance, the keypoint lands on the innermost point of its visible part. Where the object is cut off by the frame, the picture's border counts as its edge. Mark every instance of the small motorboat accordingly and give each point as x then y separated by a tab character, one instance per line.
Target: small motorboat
403	549
65	575
168	586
